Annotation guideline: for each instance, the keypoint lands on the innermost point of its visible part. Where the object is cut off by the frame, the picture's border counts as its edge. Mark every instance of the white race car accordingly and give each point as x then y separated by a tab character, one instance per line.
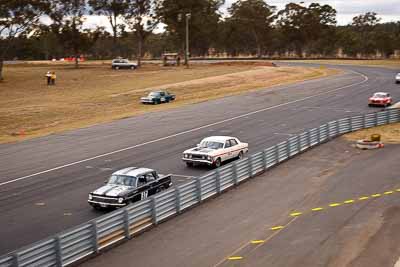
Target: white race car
214	150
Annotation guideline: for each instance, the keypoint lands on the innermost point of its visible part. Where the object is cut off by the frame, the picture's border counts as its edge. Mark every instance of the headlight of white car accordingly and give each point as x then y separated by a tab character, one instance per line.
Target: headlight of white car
90	197
120	200
209	158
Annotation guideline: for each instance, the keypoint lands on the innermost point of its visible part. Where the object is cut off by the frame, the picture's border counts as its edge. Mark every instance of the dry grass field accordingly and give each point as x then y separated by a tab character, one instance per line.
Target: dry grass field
388	63
389	133
95	93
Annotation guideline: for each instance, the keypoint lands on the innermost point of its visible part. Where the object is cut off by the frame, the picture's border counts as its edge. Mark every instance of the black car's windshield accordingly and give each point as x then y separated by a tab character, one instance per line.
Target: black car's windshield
211	145
122	180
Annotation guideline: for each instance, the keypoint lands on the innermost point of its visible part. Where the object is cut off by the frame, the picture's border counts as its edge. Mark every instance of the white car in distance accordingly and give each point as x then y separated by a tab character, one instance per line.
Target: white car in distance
398	78
214	150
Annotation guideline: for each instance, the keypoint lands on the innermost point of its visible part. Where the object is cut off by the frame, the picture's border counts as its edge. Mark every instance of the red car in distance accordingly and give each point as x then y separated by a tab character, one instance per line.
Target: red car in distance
380	99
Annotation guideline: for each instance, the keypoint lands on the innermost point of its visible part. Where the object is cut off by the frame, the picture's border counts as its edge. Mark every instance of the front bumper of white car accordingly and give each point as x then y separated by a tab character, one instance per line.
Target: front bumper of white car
198	158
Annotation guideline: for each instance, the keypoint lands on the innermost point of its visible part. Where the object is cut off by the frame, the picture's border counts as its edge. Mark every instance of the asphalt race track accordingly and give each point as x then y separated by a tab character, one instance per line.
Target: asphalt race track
333	206
44	182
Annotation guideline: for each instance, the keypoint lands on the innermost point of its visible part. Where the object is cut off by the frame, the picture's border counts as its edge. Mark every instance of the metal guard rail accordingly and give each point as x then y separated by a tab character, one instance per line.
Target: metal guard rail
92	237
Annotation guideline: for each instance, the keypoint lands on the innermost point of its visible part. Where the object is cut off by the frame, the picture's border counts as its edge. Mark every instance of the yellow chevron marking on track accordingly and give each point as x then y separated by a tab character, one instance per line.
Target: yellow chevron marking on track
277	227
317	209
349	201
363	198
334	204
294	214
398	190
376	195
388	192
257	241
235	258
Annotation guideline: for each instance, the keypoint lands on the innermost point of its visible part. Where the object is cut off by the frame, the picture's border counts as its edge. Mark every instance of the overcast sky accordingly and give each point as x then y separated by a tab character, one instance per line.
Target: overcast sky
388	10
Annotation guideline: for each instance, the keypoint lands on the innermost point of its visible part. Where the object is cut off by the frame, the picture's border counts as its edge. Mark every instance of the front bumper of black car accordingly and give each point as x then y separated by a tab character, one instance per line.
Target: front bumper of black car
105	204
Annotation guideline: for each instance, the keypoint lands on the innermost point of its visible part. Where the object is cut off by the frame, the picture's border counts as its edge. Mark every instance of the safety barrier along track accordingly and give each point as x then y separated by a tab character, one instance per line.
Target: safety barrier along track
94	236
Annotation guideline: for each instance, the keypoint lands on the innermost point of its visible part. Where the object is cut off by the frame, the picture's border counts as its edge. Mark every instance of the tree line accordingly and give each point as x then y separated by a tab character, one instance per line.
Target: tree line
249	27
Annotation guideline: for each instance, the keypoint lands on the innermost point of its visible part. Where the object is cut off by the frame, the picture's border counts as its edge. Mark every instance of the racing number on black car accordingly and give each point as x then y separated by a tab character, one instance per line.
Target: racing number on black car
144	194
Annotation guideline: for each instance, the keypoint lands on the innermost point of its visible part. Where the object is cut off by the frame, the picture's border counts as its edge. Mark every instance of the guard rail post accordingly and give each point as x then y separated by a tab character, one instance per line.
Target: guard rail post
264	160
319	135
337	128
276	154
177	200
298	140
288	148
387	116
218	181
15	260
308	139
364	121
349	123
153	209
250	162
376	119
234	174
198	191
328	131
126	224
57	248
95	242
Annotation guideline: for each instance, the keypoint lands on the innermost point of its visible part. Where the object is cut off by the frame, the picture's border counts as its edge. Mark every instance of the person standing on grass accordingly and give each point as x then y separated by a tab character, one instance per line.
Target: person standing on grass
48	76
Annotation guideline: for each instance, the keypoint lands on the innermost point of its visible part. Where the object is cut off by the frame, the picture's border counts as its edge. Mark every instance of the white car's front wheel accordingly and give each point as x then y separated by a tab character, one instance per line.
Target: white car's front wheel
240	156
217	163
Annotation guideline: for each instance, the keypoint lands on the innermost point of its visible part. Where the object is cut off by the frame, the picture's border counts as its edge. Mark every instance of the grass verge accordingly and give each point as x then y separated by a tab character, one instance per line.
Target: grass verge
389	133
95	94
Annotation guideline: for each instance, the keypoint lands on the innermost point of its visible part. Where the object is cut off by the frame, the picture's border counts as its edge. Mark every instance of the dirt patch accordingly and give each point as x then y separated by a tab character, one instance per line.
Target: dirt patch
95	93
389	133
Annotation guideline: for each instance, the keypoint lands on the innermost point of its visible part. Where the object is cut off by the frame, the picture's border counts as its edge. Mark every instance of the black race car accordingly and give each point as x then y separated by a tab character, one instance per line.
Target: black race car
128	185
157	97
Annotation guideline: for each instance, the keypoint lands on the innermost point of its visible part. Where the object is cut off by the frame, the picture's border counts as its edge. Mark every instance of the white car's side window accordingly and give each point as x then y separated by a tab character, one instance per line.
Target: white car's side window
227	144
234	142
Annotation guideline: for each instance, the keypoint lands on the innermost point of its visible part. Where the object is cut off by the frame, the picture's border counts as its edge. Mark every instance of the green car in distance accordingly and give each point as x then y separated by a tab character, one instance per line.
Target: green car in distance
157	97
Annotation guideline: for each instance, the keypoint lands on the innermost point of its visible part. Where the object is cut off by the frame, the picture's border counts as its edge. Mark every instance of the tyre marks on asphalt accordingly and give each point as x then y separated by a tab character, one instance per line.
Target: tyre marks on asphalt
240	253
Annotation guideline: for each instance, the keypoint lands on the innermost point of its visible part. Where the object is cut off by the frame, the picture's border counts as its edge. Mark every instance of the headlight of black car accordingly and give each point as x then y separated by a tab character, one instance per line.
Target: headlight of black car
209	158
90	197
120	200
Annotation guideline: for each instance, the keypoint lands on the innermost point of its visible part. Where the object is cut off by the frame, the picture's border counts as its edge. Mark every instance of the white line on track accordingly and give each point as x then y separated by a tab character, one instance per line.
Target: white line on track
187	131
